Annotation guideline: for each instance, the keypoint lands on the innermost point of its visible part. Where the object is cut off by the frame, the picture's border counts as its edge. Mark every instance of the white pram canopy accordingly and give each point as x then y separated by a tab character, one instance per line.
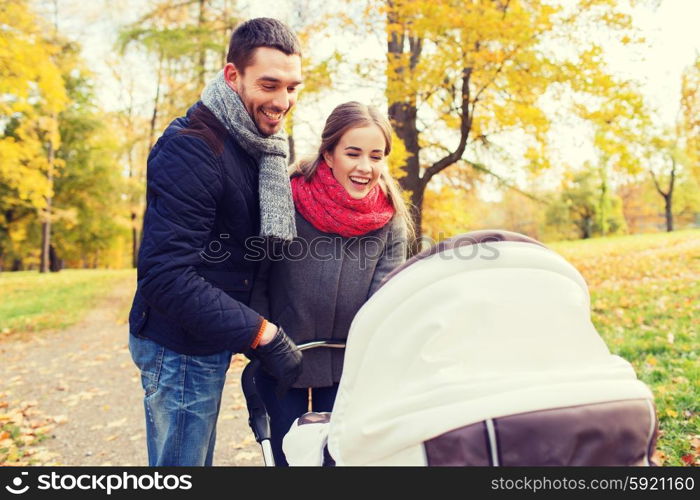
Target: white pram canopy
485	325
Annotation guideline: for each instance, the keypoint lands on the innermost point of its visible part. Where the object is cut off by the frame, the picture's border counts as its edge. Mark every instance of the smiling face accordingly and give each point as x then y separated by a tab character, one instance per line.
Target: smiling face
358	159
268	86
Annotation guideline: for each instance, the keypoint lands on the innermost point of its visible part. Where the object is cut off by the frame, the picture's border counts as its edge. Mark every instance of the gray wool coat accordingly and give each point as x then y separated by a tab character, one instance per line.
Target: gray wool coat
314	287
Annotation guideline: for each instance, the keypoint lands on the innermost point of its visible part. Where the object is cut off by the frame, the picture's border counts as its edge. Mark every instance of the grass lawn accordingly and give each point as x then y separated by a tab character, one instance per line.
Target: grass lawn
645	297
30	301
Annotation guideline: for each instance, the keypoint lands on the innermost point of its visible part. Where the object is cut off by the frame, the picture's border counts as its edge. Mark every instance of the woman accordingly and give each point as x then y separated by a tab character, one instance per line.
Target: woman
353	227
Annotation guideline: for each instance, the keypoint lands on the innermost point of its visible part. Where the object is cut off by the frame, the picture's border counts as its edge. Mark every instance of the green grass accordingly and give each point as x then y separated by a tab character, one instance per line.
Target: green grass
32	302
645	300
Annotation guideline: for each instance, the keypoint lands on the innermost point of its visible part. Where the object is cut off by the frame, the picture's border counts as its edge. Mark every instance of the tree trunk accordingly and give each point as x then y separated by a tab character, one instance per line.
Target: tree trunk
401	42
403	117
603	201
55	264
586	227
668	202
46	224
668	194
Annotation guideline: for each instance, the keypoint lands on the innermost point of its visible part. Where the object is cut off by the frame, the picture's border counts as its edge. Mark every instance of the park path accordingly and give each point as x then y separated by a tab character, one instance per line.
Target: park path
82	379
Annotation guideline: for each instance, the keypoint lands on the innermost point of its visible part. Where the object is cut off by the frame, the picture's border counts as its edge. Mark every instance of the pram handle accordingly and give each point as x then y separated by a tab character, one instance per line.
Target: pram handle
333	344
258	419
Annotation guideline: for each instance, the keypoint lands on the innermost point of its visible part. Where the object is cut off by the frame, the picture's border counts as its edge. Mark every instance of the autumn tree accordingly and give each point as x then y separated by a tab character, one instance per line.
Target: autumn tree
60	180
132	128
665	172
310	22
586	204
690	115
32	95
92	212
672	153
462	76
187	40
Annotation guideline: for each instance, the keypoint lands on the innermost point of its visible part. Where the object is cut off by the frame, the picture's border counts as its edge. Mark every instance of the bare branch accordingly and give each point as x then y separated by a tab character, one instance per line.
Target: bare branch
673	175
656	184
465	127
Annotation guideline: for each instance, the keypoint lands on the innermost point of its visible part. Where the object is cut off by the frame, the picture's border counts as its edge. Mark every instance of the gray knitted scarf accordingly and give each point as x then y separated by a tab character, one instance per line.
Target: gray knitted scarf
270	152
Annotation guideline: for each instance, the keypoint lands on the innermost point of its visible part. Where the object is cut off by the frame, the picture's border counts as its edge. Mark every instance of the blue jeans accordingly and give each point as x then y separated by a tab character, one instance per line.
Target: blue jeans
283	411
182	401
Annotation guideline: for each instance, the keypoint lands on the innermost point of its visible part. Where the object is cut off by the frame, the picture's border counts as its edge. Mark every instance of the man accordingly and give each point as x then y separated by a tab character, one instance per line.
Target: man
216	177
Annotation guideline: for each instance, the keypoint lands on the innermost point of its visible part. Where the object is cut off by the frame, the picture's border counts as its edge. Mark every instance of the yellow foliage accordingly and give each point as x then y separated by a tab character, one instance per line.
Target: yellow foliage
501	57
33	94
446	212
690	121
397	158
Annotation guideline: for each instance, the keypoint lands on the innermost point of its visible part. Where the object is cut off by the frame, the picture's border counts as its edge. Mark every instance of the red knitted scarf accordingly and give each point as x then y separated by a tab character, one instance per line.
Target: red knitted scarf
329	208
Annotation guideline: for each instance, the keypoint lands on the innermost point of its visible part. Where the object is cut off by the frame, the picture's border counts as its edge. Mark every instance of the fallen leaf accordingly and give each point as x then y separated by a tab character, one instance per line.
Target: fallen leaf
246	456
659	457
117	423
43	456
695	443
247	441
44	429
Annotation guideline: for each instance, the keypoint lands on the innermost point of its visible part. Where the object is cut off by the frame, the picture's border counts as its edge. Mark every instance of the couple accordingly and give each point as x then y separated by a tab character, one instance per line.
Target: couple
217	180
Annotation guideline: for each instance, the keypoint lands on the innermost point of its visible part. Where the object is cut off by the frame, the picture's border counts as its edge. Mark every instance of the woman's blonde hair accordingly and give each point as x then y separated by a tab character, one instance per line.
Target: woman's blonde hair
343	118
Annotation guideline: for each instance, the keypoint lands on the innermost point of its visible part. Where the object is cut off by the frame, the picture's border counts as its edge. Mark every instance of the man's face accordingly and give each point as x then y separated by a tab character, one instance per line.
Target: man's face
268	86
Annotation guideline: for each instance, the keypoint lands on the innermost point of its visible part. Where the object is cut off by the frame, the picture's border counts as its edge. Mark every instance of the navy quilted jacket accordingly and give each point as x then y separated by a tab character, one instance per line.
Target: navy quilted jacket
194	283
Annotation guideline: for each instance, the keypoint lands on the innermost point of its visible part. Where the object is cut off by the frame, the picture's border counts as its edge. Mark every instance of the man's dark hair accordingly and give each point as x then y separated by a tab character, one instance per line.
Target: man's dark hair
260	32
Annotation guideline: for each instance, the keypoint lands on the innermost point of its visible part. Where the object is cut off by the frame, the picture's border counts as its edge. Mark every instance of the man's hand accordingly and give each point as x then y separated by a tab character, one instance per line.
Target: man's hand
279	356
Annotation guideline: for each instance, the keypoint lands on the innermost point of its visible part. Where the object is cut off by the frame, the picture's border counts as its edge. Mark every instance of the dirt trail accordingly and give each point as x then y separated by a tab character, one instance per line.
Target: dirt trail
84	377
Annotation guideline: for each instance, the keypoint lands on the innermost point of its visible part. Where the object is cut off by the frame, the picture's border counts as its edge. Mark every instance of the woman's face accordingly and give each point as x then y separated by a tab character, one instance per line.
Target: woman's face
357	160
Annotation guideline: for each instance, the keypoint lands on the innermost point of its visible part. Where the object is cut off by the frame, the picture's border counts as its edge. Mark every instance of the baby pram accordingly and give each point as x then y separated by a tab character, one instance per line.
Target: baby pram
480	351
